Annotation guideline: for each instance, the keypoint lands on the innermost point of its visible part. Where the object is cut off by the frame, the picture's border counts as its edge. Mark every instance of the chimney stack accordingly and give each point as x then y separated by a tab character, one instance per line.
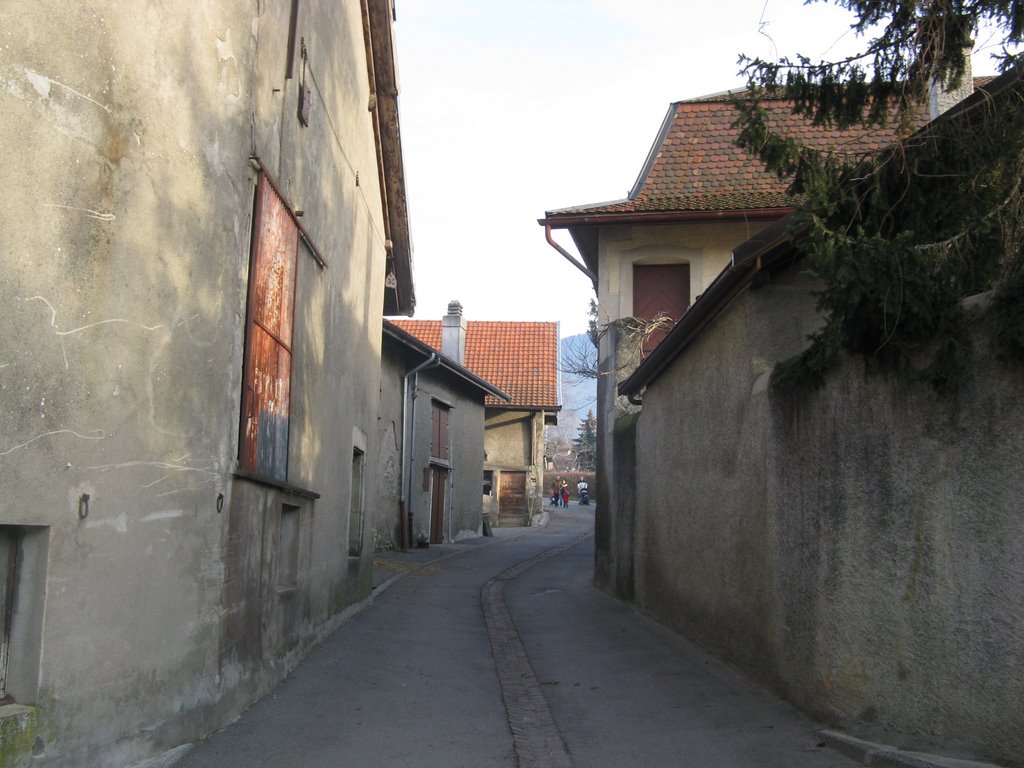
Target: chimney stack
453	333
942	98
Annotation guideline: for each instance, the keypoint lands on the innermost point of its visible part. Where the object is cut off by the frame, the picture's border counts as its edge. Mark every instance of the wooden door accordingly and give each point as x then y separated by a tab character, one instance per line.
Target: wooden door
512	495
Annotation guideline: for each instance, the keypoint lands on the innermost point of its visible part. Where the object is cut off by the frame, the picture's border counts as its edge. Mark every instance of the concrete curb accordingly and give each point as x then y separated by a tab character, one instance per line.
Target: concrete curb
883	756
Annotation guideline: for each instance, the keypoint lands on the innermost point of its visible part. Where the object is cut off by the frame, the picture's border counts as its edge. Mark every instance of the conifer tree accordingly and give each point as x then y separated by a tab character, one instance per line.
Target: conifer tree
897	239
585	443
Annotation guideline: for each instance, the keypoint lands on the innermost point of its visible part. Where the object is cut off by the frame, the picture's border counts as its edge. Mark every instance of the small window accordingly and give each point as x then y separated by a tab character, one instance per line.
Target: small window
288	548
355	514
439	431
488	482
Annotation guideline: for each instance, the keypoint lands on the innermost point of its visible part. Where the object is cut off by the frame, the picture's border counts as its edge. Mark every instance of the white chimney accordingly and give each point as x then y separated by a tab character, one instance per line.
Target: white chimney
941	98
453	333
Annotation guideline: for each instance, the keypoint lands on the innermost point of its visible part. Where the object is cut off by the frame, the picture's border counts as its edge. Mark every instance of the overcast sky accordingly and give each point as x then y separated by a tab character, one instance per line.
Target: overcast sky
510	108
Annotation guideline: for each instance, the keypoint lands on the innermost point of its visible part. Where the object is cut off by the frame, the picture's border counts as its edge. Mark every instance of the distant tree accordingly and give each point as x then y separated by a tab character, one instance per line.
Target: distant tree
585	444
897	239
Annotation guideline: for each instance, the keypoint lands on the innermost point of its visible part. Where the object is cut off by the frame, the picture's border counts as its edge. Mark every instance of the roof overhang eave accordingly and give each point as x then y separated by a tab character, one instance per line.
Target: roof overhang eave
532	408
582	226
570	221
399	298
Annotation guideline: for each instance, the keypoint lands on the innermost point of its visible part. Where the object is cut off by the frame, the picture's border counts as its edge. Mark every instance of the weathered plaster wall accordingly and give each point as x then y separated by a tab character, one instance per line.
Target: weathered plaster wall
124	239
464	506
464	513
859	548
925	496
386	495
707	248
514	441
509	439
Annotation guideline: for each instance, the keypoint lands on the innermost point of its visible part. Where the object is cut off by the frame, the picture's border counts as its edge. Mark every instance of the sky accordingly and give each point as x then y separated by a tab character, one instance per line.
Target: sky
511	108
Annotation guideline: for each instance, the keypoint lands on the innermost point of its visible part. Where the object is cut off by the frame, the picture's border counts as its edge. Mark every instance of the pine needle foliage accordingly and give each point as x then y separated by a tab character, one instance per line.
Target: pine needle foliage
898	239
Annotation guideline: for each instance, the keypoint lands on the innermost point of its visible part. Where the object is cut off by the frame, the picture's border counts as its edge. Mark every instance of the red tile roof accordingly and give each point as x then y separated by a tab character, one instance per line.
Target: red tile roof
696	166
519	358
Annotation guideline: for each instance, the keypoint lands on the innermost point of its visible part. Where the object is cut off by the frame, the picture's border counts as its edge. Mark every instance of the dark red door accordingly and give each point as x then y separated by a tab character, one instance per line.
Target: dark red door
660	289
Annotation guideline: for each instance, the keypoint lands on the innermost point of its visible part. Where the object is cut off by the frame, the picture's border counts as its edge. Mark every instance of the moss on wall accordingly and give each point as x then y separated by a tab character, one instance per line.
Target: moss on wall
18	731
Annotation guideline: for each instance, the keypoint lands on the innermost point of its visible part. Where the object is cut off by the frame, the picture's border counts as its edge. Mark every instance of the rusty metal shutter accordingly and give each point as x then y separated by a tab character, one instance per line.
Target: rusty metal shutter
268	355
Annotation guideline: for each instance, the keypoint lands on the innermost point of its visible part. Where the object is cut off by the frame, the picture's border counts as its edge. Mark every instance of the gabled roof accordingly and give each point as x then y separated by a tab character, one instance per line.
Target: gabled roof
696	167
521	358
458	371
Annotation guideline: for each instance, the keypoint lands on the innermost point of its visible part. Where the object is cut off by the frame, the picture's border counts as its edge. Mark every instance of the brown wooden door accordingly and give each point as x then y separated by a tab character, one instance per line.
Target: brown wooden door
438	489
512	495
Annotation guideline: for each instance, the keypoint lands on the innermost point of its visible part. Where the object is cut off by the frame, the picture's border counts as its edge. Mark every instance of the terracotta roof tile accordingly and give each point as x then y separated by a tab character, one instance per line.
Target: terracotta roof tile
519	358
698	167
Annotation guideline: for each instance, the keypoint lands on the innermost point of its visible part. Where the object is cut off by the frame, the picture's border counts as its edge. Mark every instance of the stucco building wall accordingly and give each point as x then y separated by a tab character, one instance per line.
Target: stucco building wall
125	243
707	248
514	442
859	548
386	498
463	514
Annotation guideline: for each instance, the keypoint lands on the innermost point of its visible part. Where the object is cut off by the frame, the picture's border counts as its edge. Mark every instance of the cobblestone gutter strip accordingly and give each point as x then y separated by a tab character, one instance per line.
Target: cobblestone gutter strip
535	737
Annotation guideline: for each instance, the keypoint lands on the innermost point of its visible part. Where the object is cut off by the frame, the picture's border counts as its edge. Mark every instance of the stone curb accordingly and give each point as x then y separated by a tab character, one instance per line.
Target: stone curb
883	756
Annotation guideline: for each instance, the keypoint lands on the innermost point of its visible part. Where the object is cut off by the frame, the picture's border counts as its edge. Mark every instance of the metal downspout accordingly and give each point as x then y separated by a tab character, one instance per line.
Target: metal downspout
408	442
572	259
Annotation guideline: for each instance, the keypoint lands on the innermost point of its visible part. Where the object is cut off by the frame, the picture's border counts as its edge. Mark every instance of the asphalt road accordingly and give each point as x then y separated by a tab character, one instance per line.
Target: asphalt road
503	654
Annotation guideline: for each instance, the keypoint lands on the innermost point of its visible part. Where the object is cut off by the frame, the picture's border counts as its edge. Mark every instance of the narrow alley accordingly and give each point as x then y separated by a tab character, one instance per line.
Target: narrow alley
499	652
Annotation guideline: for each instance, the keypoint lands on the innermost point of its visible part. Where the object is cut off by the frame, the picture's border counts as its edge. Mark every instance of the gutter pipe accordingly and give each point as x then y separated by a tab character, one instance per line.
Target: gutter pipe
572	259
408	441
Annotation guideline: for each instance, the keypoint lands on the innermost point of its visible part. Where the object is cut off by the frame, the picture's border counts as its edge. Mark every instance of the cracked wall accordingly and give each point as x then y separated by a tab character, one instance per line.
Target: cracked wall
124	240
